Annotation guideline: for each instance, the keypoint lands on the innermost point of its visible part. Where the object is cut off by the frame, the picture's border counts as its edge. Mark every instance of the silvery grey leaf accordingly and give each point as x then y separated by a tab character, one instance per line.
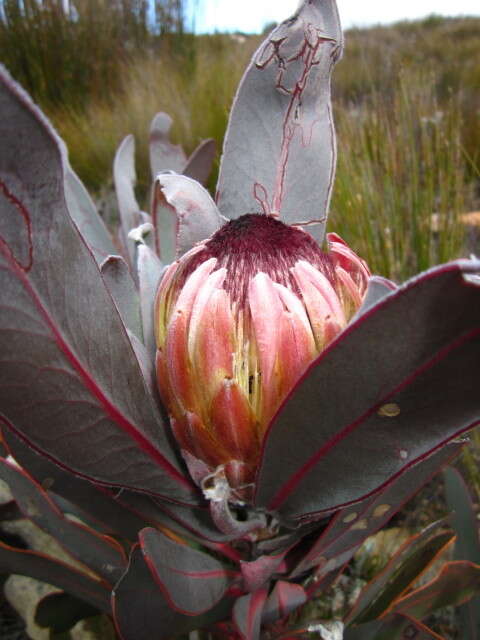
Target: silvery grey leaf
279	152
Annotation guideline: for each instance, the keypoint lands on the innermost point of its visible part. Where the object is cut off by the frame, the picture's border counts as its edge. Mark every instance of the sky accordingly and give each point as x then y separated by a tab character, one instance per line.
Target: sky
250	16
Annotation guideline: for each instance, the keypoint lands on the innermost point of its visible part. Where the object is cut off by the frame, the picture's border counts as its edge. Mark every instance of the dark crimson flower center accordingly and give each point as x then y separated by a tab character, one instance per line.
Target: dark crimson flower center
256	242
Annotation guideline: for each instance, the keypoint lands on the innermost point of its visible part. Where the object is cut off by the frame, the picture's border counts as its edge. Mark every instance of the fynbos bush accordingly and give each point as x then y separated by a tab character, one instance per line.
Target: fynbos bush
227	448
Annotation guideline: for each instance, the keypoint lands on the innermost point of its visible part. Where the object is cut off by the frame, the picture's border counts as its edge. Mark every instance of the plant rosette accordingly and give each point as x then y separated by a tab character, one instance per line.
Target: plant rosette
227	406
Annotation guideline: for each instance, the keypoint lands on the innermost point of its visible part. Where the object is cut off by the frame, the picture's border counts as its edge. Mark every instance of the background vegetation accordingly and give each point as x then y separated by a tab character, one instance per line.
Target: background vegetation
406	100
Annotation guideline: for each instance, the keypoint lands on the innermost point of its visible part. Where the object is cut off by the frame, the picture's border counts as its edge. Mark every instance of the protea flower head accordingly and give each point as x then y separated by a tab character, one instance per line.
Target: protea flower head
238	319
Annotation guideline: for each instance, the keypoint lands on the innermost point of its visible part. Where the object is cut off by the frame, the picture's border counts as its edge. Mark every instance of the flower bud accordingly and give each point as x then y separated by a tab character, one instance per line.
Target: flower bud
238	319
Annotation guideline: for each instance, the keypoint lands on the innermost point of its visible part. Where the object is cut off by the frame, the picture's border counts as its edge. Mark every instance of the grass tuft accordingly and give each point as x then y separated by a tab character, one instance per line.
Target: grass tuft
405	97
